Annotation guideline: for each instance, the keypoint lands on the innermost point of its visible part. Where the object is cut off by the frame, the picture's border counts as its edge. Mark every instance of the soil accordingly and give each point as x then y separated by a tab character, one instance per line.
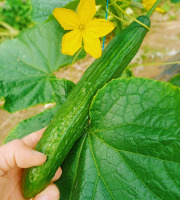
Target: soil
160	45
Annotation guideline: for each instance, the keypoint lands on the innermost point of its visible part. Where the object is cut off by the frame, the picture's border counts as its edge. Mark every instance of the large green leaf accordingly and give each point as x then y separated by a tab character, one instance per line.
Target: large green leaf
61	88
41	9
132	148
27	64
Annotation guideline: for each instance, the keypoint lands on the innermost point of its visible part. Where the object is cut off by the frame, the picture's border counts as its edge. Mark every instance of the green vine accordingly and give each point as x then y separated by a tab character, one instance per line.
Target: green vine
153	8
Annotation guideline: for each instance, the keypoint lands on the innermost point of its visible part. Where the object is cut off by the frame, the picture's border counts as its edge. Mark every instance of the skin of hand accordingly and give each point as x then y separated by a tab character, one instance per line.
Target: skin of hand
14	158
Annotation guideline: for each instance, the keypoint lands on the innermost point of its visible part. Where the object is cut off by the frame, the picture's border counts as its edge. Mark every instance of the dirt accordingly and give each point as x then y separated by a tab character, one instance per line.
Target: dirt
161	44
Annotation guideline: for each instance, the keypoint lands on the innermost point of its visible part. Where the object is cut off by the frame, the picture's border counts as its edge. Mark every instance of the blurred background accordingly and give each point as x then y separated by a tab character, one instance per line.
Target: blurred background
161	45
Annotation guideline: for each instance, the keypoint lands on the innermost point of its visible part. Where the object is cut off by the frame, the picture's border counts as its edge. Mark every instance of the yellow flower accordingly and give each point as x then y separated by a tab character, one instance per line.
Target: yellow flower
85	30
149	3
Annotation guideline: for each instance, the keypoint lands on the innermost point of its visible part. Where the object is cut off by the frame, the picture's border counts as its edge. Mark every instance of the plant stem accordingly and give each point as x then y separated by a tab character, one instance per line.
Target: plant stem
120	9
74	60
11	30
150	12
117	17
104	38
115	11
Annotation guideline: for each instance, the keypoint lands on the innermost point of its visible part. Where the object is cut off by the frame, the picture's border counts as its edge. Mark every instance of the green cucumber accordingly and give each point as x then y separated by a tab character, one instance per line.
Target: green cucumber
67	125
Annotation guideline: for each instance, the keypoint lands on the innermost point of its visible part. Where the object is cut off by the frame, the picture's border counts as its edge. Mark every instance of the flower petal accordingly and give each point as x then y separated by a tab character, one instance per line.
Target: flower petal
71	42
92	44
148	4
99	27
160	10
68	19
86	10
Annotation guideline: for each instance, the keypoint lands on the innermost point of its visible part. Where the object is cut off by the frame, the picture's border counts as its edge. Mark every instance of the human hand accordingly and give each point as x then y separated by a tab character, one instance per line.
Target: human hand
14	157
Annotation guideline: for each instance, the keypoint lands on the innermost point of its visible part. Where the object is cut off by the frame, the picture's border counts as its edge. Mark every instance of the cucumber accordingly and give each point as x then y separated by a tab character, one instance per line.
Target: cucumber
67	125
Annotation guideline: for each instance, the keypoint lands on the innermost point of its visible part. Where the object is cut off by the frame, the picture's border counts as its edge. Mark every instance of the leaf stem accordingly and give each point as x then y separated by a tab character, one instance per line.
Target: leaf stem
116	17
115	11
104	38
153	8
11	30
74	60
120	9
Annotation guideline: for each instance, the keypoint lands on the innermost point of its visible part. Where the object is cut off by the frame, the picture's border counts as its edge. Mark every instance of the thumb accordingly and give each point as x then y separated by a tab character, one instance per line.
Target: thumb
18	154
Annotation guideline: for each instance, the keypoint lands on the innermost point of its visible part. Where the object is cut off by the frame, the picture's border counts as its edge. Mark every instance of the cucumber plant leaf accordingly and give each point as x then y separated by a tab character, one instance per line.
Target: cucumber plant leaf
61	88
28	63
41	9
131	150
175	80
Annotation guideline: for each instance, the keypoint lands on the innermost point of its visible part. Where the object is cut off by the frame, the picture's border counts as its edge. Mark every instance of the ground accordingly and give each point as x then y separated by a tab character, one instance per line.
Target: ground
160	45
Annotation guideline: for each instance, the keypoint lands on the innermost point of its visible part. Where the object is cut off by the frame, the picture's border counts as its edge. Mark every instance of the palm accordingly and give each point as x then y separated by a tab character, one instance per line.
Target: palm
11	185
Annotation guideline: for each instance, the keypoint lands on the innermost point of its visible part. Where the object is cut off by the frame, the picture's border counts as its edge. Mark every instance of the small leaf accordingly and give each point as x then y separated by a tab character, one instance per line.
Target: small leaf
28	63
1	92
127	73
132	148
61	88
175	80
175	1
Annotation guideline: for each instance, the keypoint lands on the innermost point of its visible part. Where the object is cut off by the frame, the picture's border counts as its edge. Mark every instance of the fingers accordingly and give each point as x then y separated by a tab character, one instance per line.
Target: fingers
32	139
50	193
17	153
57	175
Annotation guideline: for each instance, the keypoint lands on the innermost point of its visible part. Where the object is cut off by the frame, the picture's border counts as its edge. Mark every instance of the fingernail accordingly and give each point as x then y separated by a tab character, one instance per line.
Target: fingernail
38	153
43	197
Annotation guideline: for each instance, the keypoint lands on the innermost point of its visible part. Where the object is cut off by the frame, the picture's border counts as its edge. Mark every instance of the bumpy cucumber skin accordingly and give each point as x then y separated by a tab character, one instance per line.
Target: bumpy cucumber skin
67	125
